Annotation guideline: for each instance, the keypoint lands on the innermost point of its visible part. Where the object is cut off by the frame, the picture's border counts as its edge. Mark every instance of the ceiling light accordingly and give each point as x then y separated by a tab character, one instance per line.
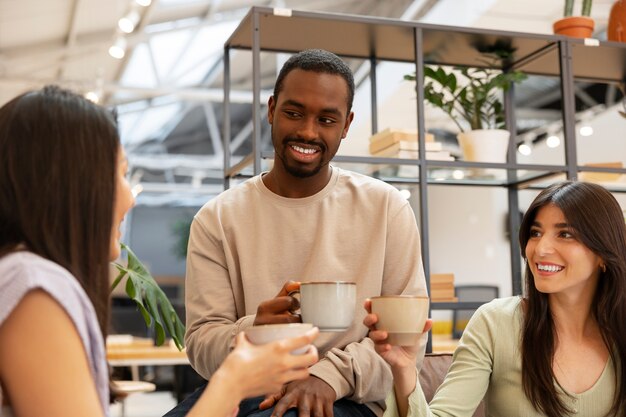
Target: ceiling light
586	130
144	3
553	141
92	96
128	23
118	49
524	149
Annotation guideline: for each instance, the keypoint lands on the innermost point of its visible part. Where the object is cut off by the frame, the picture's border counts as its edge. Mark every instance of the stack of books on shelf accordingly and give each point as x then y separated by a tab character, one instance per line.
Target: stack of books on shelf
442	288
396	143
601	176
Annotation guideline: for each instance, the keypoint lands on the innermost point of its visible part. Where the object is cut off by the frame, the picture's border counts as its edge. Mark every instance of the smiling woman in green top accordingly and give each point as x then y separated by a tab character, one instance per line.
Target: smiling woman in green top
558	351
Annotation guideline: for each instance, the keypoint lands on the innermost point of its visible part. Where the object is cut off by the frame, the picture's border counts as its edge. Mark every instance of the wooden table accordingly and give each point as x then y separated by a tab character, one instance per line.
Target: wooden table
123	350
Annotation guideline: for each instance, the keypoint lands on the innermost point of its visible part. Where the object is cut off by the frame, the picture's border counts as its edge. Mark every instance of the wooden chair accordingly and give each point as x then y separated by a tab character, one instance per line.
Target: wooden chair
120	390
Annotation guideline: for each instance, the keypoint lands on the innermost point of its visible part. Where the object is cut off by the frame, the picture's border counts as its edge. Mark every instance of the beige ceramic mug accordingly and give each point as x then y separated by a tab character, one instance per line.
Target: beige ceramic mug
329	305
402	316
266	333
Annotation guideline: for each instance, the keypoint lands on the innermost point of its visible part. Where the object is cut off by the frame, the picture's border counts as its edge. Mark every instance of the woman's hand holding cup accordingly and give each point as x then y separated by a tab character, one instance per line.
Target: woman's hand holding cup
262	369
396	356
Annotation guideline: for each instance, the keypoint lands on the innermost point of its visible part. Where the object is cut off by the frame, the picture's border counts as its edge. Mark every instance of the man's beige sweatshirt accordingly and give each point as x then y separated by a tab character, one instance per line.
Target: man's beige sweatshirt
247	242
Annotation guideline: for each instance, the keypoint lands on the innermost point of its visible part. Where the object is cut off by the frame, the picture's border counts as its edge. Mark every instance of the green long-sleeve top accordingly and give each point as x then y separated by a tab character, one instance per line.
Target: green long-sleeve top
487	363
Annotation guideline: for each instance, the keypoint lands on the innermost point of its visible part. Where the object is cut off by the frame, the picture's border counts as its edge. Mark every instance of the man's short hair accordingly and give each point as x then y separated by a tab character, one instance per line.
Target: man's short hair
317	60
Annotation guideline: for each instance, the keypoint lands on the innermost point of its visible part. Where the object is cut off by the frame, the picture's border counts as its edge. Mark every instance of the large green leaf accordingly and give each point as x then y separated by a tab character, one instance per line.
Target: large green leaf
151	301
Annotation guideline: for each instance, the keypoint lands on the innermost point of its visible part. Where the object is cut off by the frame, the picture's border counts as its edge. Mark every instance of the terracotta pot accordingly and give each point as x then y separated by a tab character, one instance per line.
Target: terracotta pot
484	145
617	22
574	26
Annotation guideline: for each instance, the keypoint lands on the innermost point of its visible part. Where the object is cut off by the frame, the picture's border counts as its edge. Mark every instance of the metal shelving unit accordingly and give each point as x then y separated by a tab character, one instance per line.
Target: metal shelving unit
380	39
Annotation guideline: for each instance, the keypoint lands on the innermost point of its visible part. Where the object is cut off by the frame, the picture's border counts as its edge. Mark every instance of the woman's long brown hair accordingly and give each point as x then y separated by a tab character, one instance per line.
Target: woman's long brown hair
598	223
58	156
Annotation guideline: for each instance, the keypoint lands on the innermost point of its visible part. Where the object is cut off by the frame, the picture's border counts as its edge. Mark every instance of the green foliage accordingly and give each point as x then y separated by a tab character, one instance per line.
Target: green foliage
587	7
569	8
143	289
474	98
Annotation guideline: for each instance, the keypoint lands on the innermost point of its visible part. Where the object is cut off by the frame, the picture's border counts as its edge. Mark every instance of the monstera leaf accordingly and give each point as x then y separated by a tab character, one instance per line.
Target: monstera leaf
151	300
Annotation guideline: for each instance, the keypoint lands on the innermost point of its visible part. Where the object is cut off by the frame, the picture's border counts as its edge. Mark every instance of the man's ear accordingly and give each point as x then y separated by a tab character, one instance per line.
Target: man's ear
346	127
271	106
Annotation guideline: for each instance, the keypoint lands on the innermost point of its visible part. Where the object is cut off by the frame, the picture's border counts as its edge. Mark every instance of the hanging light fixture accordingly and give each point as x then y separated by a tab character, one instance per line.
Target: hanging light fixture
118	49
553	141
586	130
129	22
92	96
524	149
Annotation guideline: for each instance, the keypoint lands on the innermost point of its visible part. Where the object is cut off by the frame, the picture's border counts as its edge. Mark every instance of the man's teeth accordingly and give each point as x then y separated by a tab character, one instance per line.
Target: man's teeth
549	268
303	150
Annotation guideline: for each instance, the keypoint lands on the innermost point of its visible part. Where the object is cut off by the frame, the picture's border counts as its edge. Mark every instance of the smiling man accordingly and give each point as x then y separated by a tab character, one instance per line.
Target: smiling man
309	114
302	221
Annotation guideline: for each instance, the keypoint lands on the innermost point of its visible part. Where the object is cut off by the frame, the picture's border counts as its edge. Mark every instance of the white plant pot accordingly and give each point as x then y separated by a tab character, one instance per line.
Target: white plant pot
484	145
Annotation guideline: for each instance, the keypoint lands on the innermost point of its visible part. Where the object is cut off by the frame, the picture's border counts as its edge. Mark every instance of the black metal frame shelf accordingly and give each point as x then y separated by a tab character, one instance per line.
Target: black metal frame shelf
381	39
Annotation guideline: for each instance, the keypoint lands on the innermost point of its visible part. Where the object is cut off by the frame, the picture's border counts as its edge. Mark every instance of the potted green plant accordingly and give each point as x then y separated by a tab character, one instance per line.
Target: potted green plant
151	301
575	26
472	98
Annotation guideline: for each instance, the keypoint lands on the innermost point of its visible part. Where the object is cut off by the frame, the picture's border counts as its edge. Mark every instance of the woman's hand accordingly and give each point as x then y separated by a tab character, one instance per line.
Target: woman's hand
397	356
253	370
263	369
401	358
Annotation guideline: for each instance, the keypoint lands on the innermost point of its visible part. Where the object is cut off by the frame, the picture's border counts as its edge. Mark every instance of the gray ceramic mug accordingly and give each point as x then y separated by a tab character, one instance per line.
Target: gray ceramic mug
329	305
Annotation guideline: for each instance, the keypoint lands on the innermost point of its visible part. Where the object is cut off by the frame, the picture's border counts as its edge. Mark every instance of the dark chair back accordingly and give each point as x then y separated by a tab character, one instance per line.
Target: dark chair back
474	293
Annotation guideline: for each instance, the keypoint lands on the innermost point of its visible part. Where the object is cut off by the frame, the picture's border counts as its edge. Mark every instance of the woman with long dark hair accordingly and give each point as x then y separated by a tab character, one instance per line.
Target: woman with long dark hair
560	350
63	195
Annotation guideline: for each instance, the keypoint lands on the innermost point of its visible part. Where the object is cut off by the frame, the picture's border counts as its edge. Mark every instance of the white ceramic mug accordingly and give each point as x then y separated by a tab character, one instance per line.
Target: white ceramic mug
329	305
402	316
260	335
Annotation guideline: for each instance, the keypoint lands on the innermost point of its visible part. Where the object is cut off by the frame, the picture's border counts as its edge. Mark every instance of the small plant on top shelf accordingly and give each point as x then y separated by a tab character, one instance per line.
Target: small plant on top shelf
576	26
569	8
